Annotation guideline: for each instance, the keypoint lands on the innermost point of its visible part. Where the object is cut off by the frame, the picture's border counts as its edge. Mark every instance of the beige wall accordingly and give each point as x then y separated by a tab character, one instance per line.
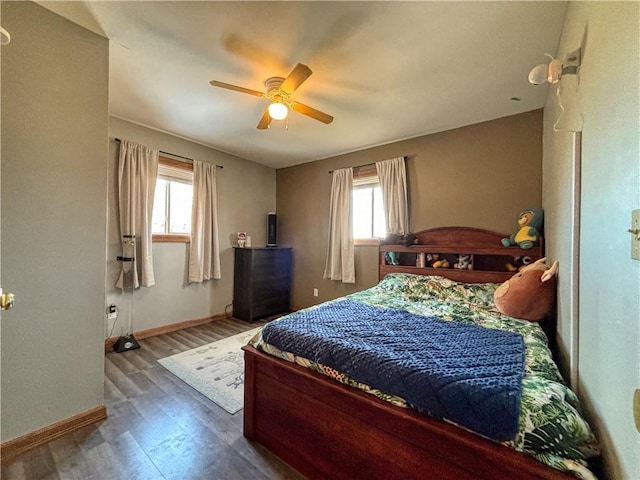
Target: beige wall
477	176
54	169
246	192
599	321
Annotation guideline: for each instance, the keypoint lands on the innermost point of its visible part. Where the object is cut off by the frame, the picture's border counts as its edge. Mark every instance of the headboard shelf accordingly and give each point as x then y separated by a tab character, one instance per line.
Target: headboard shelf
476	250
490	257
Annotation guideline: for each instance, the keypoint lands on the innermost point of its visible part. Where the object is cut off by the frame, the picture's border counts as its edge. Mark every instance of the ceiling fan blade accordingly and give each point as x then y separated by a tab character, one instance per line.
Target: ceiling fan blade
235	88
264	122
311	112
298	75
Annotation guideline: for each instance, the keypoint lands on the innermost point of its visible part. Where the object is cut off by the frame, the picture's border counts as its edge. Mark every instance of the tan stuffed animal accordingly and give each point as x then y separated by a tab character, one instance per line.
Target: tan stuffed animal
530	294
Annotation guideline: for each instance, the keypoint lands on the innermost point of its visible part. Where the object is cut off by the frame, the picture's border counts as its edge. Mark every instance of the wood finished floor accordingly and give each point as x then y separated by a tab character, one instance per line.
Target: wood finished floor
157	427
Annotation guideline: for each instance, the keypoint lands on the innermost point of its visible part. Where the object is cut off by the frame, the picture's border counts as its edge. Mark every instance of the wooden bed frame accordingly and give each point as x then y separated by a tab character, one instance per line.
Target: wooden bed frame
327	430
490	257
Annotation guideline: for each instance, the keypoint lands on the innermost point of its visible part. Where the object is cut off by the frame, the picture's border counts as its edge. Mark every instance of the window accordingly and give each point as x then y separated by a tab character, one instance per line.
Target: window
368	211
172	201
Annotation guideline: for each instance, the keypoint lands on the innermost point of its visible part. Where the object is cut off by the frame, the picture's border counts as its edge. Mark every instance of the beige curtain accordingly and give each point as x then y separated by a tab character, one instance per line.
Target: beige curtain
137	173
393	183
340	255
204	253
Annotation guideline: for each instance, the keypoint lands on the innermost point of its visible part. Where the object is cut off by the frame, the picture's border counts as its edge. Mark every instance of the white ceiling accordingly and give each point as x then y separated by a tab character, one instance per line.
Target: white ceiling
386	71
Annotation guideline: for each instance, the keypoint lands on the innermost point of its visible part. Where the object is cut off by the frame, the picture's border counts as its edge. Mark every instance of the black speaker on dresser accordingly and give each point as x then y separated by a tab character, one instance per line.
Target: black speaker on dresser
271	230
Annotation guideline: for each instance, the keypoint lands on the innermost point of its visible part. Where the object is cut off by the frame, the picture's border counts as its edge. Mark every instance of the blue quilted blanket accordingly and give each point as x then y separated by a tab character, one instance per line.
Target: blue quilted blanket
467	374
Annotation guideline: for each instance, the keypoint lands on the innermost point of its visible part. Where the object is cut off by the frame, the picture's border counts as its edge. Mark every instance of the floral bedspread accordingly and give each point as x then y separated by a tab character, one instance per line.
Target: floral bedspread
551	428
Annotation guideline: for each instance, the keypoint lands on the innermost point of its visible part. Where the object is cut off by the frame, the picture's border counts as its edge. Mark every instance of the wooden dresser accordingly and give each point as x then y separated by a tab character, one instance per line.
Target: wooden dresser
262	282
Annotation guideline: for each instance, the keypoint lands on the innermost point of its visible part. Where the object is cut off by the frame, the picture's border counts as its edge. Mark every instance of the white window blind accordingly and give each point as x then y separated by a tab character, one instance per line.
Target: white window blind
173	173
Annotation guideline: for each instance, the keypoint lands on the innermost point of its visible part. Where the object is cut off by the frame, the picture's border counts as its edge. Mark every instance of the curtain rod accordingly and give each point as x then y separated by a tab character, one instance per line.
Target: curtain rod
358	166
172	154
364	165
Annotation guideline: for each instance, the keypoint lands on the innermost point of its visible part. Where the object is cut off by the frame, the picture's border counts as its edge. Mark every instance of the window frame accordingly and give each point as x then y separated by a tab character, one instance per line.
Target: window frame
173	237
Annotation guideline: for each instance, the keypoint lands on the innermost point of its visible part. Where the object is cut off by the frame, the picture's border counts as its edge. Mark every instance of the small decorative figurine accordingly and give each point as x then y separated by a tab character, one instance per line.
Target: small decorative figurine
464	262
242	239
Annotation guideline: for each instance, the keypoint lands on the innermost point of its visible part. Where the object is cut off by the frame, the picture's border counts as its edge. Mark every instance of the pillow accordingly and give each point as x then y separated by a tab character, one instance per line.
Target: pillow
530	294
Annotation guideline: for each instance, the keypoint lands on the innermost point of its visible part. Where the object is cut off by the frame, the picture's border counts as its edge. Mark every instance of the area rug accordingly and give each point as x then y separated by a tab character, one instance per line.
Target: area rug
216	370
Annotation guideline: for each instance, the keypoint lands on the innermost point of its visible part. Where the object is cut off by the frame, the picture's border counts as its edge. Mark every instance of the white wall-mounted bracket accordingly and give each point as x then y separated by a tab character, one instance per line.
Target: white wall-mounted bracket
571	63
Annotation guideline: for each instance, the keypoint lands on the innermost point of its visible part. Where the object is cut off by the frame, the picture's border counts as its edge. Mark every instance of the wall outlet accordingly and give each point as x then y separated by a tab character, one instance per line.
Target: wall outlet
315	292
112	312
635	234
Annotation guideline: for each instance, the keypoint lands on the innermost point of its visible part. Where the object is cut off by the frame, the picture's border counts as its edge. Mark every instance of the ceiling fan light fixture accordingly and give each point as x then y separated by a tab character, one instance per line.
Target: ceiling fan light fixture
279	91
278	111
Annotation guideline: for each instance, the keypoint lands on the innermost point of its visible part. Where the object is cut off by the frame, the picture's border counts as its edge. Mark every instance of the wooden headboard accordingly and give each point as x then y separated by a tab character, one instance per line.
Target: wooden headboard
490	258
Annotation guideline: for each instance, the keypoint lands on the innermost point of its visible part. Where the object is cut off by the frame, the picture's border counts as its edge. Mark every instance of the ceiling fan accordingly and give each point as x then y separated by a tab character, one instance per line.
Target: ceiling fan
279	91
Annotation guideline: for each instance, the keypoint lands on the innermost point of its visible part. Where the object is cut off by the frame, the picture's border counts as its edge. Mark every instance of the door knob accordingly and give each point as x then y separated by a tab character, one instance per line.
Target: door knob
6	301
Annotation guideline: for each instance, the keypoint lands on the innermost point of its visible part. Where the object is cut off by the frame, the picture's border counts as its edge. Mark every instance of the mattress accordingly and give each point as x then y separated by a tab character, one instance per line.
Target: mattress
550	427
